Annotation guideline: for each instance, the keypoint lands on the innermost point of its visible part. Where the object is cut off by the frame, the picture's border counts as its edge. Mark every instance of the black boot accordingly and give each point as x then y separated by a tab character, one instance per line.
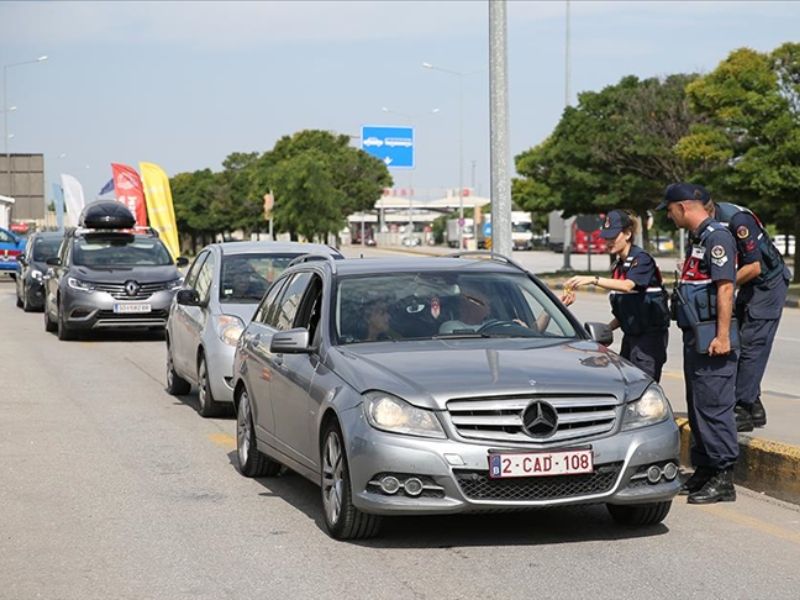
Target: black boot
697	480
744	420
717	489
758	414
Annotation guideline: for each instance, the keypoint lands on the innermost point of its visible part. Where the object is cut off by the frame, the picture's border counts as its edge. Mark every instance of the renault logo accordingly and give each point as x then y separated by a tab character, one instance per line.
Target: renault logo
540	419
131	288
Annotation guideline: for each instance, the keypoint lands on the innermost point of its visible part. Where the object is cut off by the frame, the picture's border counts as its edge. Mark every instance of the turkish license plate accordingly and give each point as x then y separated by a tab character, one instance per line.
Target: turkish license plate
540	464
130	308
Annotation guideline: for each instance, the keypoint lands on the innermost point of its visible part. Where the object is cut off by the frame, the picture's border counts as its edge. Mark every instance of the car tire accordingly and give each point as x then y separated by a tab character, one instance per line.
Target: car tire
251	462
65	333
639	515
342	519
49	325
20	303
26	305
176	385
206	405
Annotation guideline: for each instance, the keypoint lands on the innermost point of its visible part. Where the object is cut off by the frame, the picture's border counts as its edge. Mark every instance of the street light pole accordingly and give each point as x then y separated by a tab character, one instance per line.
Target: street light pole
460	75
7	109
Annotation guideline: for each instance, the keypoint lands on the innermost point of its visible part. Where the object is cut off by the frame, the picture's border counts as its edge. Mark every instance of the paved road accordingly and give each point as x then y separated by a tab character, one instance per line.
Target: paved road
110	488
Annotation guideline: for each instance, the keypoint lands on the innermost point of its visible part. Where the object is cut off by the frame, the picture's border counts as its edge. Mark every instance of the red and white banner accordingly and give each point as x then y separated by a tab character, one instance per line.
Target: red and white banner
128	190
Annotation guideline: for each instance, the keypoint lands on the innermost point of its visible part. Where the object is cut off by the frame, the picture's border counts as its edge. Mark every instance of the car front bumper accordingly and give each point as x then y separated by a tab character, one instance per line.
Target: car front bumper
456	473
35	292
95	310
220	358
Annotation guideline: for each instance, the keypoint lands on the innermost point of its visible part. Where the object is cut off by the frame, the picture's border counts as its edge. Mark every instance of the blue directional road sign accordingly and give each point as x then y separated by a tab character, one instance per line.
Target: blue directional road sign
487	229
393	145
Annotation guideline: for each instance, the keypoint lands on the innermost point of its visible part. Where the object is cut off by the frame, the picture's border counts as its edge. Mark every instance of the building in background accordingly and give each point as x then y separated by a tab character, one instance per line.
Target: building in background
25	185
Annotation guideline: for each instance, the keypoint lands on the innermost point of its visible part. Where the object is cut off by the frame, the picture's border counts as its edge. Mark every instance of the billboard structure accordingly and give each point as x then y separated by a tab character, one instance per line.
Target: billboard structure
22	178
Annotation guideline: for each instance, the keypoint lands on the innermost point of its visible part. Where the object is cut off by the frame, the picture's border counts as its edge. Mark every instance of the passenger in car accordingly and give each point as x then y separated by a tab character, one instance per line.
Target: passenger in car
378	323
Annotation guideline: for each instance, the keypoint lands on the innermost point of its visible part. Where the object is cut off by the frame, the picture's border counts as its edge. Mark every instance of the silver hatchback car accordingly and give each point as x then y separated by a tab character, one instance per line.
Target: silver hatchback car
445	385
219	294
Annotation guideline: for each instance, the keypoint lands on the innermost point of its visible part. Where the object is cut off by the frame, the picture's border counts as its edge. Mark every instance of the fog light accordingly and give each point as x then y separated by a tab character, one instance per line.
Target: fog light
670	471
413	486
390	485
653	474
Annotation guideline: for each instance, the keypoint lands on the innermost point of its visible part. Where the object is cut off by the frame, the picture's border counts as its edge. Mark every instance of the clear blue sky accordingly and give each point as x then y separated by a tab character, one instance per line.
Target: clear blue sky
184	84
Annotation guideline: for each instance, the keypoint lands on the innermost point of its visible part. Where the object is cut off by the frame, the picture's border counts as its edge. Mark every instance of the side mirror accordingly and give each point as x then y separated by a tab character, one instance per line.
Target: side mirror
53	261
188	298
181	262
294	341
600	333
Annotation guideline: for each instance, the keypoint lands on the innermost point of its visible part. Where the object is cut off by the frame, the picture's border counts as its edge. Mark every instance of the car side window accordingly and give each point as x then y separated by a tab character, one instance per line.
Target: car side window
205	277
194	270
268	304
6	238
289	301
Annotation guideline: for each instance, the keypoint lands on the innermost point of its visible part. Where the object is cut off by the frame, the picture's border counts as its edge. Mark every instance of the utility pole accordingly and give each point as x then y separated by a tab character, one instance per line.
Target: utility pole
567	222
498	107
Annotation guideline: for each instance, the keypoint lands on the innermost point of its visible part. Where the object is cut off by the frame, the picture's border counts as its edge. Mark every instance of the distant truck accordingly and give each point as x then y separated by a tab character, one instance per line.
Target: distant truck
452	231
585	233
521	230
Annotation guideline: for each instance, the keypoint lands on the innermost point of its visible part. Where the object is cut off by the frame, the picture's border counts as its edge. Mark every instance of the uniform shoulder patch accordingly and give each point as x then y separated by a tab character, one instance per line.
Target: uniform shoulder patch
742	232
717	252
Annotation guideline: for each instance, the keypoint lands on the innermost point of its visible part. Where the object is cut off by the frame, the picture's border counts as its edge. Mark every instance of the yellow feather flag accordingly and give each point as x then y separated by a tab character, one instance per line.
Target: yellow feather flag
160	212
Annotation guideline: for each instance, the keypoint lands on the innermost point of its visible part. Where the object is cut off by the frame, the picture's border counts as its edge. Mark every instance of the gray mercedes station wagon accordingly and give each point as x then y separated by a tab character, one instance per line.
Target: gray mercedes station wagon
444	385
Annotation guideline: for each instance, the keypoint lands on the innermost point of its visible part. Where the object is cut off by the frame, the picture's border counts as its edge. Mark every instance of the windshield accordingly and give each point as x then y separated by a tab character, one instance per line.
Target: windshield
437	305
246	277
44	248
520	227
120	250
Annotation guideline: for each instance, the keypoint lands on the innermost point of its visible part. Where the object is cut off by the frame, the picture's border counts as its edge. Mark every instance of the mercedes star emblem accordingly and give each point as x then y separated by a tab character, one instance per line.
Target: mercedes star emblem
540	419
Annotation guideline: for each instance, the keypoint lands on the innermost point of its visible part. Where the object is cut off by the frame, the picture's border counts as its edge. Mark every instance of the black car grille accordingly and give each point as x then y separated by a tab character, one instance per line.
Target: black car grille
145	290
476	485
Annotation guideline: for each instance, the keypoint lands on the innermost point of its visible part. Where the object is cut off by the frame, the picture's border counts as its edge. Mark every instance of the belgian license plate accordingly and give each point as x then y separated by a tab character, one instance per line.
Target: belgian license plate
130	308
540	464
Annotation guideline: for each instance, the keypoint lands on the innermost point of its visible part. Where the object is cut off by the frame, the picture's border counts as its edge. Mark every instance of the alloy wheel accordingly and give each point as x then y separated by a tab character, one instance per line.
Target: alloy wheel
332	477
243	429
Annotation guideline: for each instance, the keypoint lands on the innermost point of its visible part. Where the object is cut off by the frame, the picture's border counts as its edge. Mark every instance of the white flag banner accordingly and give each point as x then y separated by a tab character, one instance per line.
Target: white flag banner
73	199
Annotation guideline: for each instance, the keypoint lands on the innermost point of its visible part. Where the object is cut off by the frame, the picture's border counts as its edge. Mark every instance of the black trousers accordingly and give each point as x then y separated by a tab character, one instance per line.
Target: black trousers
647	351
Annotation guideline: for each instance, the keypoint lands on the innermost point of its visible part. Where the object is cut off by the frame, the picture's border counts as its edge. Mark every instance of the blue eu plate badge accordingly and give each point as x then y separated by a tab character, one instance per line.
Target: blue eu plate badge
495	465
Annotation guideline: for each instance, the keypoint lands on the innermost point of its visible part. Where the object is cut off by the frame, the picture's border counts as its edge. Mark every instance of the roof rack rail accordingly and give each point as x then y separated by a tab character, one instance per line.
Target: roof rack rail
303	258
486	254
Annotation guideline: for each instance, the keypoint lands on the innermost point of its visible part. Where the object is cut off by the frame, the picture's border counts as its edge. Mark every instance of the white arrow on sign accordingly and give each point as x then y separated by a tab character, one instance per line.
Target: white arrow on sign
388	160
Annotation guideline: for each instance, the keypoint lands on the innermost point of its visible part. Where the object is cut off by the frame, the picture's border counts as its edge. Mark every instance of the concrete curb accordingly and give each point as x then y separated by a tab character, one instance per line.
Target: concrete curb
764	466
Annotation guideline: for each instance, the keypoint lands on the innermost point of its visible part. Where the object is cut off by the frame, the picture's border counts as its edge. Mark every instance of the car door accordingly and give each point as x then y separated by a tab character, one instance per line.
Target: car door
256	372
196	317
53	278
293	373
183	358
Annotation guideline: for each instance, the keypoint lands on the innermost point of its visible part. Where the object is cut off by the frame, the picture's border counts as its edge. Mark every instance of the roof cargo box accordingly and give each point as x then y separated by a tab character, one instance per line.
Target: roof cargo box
107	214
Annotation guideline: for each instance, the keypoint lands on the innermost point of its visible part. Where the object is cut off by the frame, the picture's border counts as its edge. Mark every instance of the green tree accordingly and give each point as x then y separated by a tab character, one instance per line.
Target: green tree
307	203
749	150
615	149
194	197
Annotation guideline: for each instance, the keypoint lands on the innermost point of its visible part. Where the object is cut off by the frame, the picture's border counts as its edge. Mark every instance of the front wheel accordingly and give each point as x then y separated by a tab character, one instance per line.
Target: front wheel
208	407
176	385
49	325
342	519
251	462
65	333
639	515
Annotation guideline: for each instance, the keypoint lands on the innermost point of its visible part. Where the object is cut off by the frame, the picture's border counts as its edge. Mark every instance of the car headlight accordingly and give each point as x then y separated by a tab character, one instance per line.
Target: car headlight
36	274
175	284
390	413
77	284
229	329
653	407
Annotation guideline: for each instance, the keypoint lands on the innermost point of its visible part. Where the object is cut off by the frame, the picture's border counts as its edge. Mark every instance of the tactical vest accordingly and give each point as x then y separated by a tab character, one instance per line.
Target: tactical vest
696	285
640	312
771	260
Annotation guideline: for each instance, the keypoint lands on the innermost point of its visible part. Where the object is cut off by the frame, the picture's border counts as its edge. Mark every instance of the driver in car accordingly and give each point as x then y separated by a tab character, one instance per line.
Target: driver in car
474	309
